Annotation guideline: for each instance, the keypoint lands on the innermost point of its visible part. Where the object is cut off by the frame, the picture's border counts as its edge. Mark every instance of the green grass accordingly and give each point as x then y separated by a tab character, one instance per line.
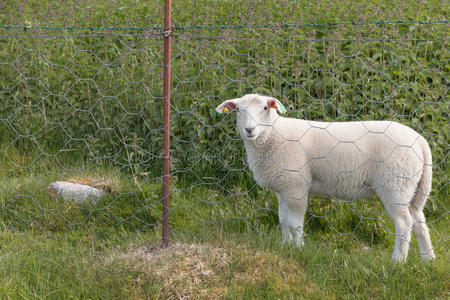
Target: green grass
213	266
88	109
56	249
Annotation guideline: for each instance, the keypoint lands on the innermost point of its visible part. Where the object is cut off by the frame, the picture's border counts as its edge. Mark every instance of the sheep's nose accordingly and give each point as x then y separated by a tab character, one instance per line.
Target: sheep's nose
249	130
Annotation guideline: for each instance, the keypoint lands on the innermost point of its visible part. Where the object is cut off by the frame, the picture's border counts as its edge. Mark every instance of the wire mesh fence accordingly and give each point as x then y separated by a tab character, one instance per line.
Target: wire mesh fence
85	105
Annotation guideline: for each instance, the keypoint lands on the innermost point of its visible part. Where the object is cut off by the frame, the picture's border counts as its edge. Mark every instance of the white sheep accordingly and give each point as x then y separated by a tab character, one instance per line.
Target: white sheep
346	160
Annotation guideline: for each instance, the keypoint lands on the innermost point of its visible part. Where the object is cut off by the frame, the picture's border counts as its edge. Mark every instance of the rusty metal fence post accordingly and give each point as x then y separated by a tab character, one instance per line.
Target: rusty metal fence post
166	133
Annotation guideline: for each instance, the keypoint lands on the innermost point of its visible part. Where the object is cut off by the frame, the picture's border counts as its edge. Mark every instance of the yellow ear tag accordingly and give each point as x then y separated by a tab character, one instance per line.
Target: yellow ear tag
225	110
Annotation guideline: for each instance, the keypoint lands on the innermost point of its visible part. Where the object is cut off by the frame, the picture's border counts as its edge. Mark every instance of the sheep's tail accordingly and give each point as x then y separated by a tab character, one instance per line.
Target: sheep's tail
424	186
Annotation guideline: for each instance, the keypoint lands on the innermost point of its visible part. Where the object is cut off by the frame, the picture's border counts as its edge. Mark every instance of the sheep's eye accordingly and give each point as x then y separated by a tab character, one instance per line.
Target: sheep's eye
265	107
237	108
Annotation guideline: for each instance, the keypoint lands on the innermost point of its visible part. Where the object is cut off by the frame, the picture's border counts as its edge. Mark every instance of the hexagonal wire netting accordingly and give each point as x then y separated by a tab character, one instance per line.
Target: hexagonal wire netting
87	107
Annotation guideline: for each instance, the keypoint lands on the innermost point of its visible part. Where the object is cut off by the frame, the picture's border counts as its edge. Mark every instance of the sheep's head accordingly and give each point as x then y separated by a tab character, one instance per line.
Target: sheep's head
255	114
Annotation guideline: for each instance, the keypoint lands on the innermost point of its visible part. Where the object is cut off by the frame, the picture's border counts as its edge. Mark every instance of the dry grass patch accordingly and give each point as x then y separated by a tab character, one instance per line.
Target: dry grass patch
185	270
105	184
210	272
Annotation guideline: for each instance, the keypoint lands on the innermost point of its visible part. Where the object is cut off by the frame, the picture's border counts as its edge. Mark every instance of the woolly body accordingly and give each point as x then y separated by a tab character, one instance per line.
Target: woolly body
346	160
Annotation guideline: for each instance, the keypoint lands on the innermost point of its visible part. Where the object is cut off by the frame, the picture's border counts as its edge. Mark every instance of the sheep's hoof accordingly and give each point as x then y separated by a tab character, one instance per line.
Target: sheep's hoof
286	240
398	257
300	243
428	257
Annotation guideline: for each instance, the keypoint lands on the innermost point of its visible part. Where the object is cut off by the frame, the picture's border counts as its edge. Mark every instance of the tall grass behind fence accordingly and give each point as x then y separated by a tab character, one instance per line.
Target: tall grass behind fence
77	102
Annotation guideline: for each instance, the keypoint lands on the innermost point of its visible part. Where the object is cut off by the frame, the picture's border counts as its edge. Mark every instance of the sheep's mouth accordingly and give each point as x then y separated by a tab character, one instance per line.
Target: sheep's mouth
251	136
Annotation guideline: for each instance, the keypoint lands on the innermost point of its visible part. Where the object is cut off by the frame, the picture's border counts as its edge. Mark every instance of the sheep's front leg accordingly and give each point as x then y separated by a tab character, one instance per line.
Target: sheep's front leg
292	214
283	217
296	217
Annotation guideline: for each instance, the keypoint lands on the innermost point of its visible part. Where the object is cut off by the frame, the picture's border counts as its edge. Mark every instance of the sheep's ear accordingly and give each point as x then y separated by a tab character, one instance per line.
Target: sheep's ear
275	103
226	106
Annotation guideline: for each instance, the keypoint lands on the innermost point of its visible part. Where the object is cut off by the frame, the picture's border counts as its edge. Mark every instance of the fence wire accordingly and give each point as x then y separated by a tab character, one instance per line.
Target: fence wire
86	106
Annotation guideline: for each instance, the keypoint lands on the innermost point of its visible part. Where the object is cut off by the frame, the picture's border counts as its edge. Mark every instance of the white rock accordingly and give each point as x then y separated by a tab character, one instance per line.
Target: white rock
76	192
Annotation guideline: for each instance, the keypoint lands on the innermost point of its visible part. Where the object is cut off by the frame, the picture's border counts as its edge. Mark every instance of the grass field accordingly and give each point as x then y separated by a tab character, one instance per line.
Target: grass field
85	105
243	266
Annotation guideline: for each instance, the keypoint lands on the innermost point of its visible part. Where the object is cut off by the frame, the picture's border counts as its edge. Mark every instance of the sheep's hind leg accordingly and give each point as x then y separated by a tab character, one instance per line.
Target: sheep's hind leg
422	234
402	219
